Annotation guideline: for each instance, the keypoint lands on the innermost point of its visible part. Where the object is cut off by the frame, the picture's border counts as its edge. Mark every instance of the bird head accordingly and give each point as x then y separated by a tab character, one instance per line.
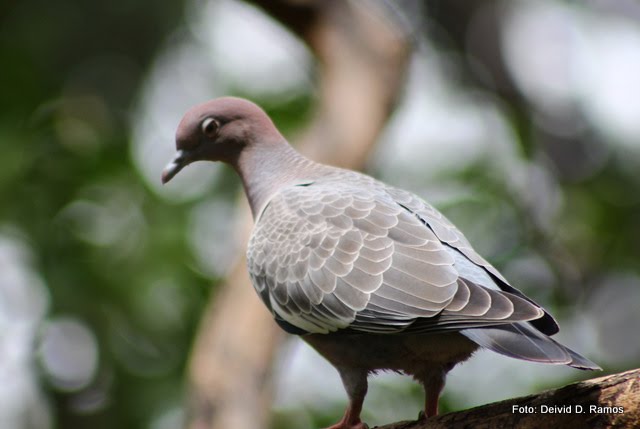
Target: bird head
218	130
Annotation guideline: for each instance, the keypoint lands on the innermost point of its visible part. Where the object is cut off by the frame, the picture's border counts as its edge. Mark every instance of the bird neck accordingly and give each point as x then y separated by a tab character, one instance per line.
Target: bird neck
268	166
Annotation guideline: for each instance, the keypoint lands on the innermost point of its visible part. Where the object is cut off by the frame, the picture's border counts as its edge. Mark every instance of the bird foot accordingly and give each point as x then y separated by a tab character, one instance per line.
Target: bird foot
343	425
422	416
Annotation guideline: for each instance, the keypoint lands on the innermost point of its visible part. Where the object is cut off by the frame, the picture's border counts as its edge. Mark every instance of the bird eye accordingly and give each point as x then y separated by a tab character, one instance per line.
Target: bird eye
209	127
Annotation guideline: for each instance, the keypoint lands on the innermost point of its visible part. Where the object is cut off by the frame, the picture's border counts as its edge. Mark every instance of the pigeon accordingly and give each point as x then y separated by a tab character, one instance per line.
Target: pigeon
371	276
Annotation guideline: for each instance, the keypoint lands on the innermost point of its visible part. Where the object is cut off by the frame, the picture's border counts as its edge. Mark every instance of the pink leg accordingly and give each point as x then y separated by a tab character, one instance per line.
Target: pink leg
433	384
355	383
432	395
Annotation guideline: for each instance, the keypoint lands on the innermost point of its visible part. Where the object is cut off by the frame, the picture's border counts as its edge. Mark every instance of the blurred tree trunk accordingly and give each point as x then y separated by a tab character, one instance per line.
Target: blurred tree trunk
362	57
618	390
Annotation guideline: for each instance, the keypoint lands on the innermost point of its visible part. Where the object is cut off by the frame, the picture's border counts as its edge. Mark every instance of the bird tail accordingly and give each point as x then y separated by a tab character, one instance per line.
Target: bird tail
522	341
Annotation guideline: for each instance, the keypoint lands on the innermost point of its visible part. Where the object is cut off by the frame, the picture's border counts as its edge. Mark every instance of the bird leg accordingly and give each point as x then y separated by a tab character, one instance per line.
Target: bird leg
355	383
433	383
432	395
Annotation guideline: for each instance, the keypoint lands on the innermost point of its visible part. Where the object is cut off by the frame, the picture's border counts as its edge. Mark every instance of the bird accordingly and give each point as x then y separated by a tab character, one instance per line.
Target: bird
371	276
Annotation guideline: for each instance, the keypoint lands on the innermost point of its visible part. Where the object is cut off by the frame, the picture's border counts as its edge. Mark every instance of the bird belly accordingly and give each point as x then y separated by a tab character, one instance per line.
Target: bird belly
409	354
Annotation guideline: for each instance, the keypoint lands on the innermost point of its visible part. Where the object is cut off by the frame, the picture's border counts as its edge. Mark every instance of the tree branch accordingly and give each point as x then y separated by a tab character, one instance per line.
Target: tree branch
612	401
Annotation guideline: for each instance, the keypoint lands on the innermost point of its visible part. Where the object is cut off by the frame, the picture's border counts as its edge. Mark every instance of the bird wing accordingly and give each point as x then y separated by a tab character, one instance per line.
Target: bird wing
331	255
468	261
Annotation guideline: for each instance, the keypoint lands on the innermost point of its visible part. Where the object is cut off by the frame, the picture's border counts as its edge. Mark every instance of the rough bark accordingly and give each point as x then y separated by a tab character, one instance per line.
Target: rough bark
362	59
528	412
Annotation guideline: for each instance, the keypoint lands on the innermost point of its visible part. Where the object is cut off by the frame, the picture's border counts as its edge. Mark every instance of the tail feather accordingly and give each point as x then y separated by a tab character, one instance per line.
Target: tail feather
522	341
581	362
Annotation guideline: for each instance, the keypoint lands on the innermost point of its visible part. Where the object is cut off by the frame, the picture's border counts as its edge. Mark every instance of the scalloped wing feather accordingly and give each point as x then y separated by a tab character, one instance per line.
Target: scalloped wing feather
354	253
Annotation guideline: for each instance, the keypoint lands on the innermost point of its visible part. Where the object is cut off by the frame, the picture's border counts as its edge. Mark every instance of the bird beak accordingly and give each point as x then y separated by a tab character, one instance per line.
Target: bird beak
181	160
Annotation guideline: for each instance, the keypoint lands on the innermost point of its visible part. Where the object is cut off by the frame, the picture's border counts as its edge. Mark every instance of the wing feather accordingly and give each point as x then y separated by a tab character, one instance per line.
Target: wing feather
342	255
448	234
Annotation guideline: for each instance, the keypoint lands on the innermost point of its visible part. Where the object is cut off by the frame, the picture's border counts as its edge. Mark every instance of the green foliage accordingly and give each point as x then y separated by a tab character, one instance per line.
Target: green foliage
111	254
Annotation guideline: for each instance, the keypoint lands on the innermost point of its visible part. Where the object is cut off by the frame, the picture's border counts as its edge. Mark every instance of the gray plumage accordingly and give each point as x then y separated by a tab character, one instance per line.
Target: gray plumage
336	254
343	251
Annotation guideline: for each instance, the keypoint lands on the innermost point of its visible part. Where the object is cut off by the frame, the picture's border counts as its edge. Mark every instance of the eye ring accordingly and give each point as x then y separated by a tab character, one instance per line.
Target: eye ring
209	127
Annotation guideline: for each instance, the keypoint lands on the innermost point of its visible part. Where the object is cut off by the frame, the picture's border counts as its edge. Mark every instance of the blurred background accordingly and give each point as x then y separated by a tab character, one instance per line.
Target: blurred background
520	120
